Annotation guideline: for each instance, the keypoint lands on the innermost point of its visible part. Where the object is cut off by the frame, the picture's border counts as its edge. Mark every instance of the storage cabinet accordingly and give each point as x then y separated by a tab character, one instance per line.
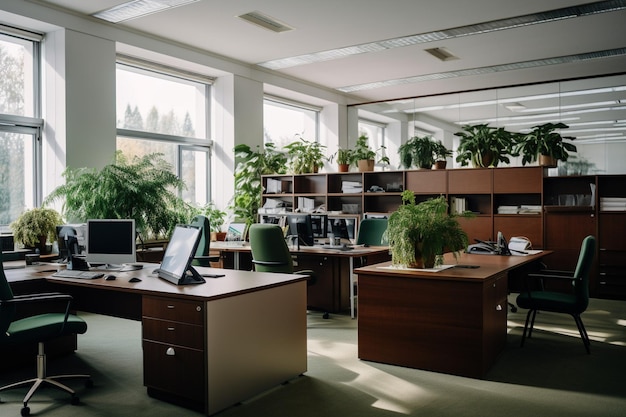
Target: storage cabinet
174	348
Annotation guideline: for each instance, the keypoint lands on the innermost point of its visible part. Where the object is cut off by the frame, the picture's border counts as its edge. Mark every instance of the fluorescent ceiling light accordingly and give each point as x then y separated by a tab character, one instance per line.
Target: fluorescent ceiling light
138	8
461	31
265	21
515	107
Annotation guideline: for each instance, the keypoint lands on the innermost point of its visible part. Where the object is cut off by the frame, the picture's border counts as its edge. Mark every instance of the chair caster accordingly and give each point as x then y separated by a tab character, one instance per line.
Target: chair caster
325	316
89	383
75	400
25	411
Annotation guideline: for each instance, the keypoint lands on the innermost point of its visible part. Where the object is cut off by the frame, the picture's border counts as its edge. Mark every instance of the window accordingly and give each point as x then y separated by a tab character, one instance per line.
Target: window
285	121
20	127
376	135
163	110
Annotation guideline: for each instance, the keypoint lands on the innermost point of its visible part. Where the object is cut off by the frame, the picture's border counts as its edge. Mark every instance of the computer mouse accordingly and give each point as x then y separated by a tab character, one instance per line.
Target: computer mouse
134	279
110	277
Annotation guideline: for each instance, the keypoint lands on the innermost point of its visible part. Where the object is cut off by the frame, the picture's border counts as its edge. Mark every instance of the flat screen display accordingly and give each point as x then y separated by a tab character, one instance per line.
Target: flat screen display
179	253
110	242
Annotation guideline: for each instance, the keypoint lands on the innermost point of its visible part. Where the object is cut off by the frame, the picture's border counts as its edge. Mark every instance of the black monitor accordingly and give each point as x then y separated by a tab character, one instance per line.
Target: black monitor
67	239
301	225
319	223
343	228
111	242
181	249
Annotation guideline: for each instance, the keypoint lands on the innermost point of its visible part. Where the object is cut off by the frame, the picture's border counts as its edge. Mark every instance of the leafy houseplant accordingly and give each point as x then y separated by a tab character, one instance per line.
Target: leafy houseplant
216	220
422	151
418	234
484	146
34	227
250	166
344	159
144	189
364	156
305	156
544	141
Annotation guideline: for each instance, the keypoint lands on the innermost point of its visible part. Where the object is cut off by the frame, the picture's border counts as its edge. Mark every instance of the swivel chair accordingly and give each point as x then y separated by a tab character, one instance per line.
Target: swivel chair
371	232
202	257
573	303
37	328
271	254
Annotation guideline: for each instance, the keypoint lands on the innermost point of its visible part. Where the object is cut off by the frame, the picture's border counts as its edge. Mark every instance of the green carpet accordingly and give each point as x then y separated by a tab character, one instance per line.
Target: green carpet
551	376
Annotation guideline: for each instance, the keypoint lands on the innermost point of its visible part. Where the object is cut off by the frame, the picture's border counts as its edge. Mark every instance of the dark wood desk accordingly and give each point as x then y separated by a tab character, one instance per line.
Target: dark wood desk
206	346
451	321
334	287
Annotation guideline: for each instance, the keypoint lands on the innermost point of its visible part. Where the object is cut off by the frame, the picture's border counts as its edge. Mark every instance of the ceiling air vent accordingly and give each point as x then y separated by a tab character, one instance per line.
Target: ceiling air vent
265	21
441	53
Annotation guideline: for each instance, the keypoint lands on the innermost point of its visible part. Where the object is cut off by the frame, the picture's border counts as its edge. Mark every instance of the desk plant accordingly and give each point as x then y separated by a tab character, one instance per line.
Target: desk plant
418	234
216	220
545	145
34	227
305	156
364	156
484	146
144	189
422	152
250	165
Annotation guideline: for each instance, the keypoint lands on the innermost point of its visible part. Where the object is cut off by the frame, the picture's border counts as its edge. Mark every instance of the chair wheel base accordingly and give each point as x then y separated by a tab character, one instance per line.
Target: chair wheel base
25	411
326	316
75	400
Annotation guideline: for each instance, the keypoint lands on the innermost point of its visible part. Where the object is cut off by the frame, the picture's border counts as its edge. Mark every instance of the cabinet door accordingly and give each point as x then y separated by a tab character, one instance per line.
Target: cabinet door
564	233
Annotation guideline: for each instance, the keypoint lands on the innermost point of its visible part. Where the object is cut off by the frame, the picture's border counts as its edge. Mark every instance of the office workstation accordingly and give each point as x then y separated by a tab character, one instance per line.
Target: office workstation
199	92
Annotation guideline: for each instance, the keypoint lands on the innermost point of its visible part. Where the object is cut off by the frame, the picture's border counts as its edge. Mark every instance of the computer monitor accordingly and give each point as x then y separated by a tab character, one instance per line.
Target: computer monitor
181	249
319	223
67	240
502	245
110	242
237	231
343	228
301	225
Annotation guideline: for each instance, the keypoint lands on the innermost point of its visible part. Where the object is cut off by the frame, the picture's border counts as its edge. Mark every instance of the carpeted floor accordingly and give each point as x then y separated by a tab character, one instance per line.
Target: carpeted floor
552	375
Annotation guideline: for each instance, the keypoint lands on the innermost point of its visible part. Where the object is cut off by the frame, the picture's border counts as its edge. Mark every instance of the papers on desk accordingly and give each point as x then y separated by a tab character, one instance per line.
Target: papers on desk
402	268
527	252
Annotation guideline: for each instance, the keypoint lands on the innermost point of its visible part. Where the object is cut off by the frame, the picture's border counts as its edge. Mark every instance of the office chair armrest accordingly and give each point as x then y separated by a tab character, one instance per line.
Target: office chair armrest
269	263
210	258
35	298
310	274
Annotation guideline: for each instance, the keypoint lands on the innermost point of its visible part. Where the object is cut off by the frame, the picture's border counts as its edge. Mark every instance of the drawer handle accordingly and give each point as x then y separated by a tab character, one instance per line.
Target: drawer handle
498	307
170	351
171	329
171	307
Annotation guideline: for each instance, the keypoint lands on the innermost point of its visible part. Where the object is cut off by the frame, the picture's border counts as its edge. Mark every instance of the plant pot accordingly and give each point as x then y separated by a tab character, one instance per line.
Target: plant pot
441	164
220	236
344	167
366	165
547	161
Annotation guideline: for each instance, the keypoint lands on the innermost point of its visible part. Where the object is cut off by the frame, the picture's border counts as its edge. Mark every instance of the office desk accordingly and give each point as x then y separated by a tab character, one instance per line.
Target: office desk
451	321
205	346
334	288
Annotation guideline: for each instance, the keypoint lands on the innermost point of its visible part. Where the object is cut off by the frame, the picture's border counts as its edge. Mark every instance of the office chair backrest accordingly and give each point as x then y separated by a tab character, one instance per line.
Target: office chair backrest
268	244
6	312
203	223
371	232
583	268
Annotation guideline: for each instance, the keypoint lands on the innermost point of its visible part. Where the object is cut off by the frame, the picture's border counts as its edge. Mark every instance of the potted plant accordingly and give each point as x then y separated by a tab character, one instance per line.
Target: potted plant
250	165
216	220
418	234
35	227
144	189
441	155
484	146
545	145
422	151
305	156
364	156
344	159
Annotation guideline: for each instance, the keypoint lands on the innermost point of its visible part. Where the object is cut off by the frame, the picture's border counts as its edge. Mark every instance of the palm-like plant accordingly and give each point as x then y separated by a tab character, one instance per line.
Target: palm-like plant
421	151
484	145
144	189
543	140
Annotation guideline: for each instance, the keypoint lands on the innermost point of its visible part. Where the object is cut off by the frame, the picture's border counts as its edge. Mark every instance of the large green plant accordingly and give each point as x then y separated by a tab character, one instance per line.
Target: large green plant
33	227
363	151
484	145
543	140
421	151
144	189
305	156
418	234
248	187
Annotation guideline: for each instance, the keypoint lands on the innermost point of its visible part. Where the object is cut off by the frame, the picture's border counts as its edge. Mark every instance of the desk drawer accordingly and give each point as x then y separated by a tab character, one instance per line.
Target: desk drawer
172	309
181	334
175	370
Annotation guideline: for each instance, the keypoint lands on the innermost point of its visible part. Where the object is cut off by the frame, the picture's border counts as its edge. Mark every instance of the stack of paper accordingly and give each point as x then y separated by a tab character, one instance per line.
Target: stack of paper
306	204
351	187
529	209
612	204
508	209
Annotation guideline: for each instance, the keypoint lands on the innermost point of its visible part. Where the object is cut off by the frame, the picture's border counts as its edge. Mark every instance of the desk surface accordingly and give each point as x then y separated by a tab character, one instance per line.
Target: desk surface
356	251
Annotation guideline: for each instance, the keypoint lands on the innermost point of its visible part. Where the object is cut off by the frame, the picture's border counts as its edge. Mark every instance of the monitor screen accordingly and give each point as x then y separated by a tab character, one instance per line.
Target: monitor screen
111	242
343	228
301	225
67	239
319	223
179	253
236	231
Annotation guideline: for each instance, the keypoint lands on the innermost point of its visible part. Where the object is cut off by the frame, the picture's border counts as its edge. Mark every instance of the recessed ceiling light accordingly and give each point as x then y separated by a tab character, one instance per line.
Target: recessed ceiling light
138	8
442	54
265	21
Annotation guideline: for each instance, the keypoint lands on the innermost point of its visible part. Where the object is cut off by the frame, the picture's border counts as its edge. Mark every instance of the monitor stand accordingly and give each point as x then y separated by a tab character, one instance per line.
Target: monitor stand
191	277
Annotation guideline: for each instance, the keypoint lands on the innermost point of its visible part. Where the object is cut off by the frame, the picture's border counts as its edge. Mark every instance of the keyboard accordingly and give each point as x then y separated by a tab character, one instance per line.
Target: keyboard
71	273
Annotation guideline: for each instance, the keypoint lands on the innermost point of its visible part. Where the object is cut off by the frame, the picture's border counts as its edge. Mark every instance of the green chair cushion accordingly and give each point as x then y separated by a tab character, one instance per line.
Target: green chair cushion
42	327
550	301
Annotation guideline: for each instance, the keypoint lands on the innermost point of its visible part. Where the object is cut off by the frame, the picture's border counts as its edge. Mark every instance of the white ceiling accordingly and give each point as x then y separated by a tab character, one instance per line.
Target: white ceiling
322	25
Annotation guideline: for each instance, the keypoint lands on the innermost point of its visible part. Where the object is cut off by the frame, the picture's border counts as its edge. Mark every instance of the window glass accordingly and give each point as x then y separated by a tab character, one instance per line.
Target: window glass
284	123
16	175
161	113
16	76
374	131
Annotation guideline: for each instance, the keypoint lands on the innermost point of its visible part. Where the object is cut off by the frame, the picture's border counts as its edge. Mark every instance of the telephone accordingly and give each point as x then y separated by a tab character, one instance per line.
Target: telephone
483	248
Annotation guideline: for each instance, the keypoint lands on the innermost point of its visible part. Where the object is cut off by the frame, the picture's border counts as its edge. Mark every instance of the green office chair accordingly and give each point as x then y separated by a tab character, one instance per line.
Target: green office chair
371	232
271	254
38	328
574	303
202	257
